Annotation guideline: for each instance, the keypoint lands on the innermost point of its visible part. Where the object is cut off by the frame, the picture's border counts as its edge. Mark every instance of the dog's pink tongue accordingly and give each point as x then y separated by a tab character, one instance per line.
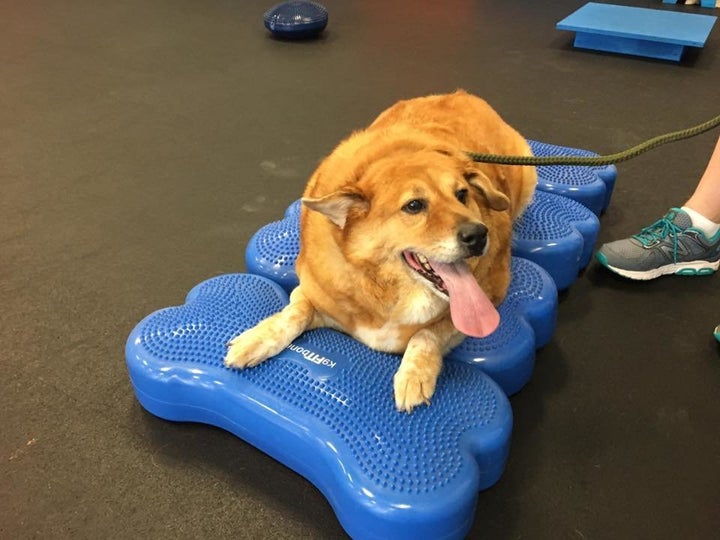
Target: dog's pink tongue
472	311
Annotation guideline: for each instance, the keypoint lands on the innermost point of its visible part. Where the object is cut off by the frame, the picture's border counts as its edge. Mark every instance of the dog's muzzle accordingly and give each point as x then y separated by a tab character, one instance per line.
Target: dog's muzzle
473	238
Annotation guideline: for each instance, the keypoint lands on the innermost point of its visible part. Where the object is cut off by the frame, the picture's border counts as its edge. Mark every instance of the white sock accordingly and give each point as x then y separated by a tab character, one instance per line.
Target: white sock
710	228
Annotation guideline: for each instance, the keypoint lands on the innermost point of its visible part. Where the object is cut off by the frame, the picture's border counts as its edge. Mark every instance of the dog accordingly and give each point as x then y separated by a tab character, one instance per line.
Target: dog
405	241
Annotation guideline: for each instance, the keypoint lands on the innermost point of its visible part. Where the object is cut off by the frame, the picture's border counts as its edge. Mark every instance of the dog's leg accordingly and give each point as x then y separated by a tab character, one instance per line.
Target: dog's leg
273	334
414	381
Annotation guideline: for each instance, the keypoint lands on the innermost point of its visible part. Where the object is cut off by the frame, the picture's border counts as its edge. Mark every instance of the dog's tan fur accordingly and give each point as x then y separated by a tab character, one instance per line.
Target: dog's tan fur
354	230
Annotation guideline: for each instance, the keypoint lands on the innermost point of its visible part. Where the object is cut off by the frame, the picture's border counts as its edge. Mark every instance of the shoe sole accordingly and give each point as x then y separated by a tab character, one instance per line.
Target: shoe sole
692	268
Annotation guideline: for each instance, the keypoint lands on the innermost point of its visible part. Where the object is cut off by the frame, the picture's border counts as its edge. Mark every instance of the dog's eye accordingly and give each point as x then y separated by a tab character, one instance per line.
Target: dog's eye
461	195
415	206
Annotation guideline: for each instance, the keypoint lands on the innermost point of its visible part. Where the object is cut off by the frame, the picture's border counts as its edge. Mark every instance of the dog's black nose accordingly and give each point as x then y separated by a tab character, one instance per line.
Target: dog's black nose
473	237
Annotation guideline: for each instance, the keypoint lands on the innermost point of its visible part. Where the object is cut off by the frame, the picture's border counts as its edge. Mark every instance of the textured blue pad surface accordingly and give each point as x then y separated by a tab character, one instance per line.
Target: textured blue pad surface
555	232
325	409
637	31
590	186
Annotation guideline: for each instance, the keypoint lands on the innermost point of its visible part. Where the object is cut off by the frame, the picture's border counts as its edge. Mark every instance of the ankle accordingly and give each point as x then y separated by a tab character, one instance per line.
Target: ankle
700	221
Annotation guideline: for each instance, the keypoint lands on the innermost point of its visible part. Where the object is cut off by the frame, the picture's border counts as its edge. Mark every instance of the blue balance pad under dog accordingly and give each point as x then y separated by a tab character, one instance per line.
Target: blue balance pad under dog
324	407
557	233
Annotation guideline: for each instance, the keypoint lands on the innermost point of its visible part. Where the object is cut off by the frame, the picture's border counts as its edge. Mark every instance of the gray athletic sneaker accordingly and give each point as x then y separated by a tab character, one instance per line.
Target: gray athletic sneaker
671	245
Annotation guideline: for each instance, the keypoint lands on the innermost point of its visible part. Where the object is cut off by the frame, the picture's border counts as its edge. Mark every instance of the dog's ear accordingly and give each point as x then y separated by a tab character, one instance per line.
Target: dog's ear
338	205
474	176
477	179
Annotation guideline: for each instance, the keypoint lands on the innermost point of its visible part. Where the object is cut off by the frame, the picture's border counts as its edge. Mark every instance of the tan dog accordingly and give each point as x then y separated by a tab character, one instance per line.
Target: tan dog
405	241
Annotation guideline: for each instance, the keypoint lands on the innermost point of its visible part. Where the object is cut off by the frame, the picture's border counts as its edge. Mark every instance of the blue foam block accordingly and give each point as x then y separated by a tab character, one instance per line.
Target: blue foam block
590	186
637	31
555	232
324	408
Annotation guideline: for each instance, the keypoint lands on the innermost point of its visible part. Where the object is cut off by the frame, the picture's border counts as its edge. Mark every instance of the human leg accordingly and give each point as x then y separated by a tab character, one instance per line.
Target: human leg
706	197
686	241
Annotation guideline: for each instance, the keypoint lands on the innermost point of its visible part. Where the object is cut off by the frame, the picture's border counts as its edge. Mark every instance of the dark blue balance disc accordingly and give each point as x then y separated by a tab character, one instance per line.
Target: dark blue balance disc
296	19
324	407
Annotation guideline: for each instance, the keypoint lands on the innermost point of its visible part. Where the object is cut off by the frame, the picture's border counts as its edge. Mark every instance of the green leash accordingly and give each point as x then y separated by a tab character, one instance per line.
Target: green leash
595	161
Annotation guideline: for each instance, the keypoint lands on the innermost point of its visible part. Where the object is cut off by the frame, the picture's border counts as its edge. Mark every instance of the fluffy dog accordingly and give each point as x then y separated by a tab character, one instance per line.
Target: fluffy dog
405	241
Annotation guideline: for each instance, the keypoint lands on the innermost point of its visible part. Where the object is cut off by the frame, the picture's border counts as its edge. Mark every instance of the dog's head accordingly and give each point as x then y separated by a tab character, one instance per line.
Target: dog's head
431	217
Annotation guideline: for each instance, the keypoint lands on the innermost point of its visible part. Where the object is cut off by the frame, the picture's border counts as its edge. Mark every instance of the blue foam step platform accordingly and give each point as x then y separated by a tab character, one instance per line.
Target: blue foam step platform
555	232
590	186
637	31
324	408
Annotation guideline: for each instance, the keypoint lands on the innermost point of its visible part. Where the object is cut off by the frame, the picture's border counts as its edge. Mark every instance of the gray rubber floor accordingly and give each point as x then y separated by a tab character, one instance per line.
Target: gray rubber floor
143	143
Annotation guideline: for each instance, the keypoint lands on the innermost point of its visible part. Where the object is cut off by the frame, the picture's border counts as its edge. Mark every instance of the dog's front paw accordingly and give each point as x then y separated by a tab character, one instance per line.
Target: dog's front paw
248	350
413	387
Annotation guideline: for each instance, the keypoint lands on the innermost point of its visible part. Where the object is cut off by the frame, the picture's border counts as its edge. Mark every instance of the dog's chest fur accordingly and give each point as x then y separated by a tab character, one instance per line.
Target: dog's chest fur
413	310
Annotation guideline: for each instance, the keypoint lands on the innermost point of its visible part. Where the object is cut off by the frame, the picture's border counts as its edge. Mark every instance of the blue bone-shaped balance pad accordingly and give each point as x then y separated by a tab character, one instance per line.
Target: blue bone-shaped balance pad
637	31
590	186
555	232
324	408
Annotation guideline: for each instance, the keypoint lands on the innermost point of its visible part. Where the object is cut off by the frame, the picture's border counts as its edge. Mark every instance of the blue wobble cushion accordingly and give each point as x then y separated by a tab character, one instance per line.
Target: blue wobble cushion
324	407
273	250
557	233
296	19
590	186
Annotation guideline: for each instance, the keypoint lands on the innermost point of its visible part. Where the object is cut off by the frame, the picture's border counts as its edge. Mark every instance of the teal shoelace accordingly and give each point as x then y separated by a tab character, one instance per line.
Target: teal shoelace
659	231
